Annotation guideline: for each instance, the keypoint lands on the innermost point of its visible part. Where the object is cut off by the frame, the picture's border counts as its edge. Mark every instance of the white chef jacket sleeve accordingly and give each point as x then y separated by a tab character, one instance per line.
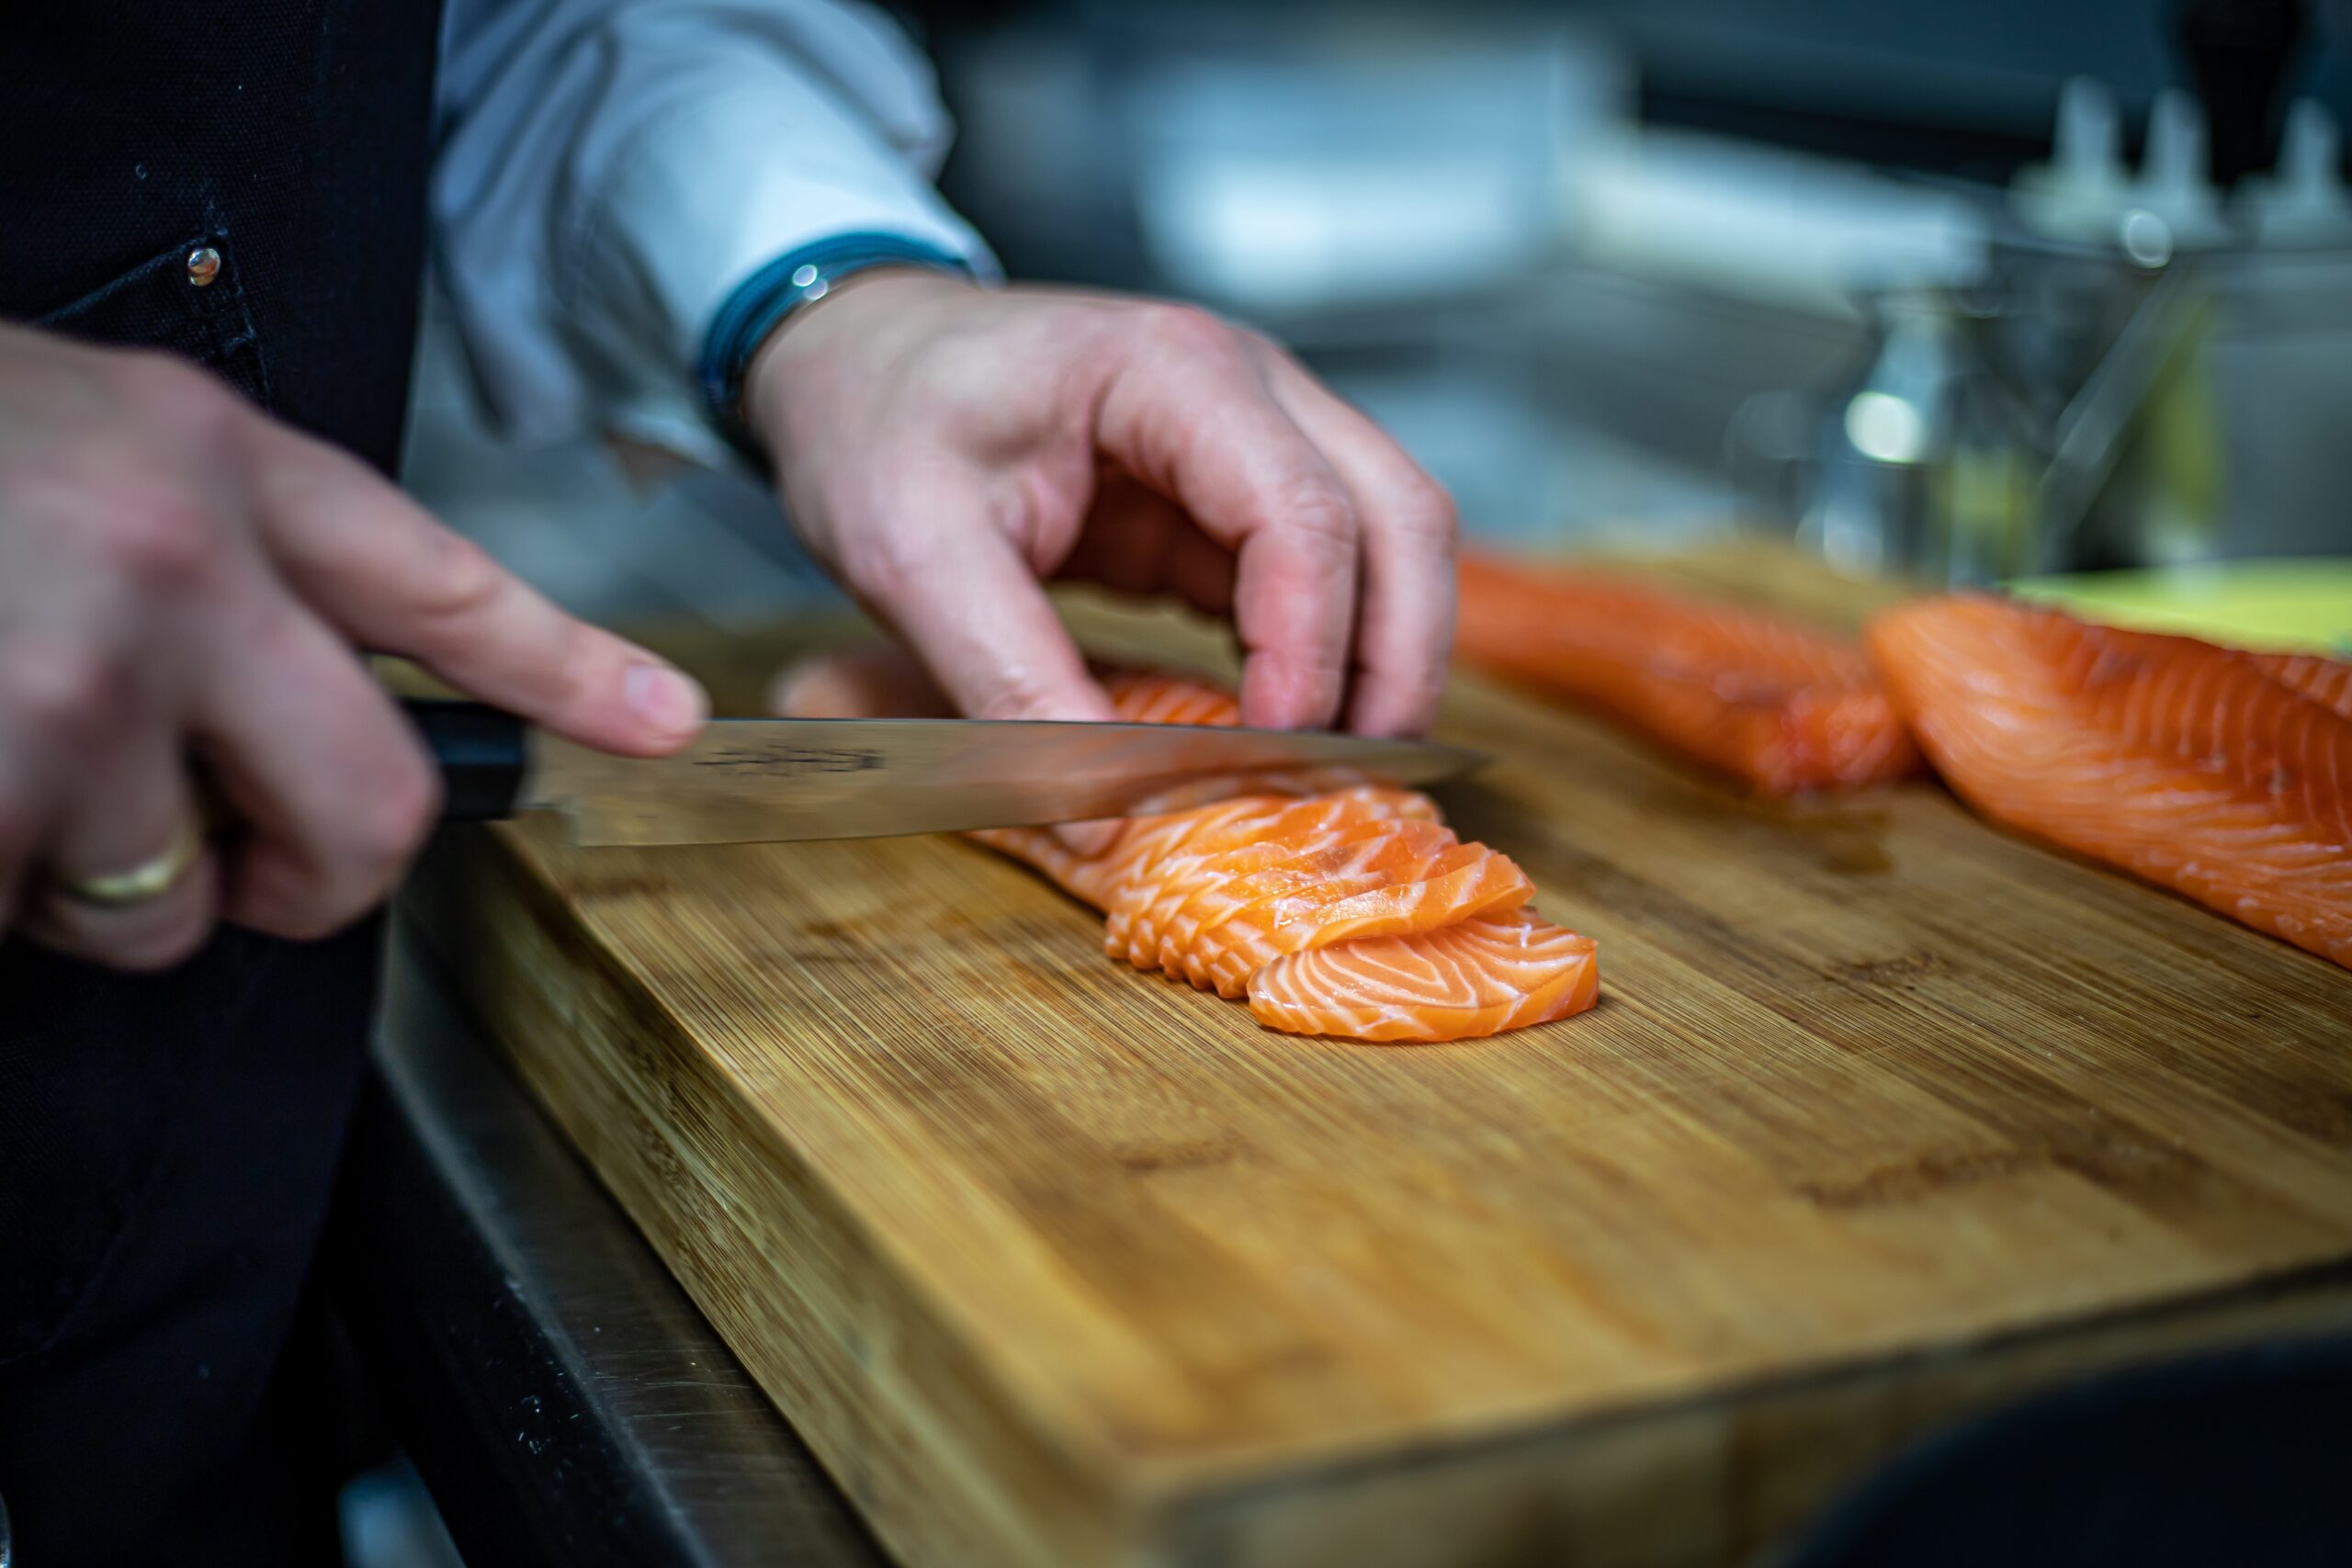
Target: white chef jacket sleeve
609	171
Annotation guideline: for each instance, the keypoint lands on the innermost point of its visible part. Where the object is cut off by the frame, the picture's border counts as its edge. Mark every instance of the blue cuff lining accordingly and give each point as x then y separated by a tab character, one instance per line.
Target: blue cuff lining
764	299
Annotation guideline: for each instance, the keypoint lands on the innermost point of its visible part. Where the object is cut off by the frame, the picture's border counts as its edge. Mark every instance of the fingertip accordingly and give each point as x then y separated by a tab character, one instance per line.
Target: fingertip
634	705
1087	702
1395	708
813	688
668	704
1278	694
875	682
1075	699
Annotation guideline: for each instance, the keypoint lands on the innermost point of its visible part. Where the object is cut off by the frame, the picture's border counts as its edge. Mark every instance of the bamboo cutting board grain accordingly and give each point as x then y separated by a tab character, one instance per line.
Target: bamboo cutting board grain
1883	1115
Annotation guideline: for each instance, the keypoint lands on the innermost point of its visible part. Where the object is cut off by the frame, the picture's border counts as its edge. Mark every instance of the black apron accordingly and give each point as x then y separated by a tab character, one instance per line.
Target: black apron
168	1142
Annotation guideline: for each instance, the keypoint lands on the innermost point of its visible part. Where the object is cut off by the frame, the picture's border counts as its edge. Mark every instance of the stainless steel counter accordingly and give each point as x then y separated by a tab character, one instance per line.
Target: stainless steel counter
564	1400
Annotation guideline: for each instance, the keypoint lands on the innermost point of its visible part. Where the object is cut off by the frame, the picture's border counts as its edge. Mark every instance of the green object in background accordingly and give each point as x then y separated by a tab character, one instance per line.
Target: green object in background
2298	604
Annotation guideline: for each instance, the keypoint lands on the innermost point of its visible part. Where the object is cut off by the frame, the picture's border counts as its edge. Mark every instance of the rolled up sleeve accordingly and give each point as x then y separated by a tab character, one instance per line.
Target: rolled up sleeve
610	171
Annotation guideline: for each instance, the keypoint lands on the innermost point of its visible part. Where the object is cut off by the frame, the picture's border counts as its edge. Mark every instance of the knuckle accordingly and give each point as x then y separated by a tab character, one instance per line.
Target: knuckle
1315	505
461	578
1016	700
159	536
1425	515
1327	672
389	822
881	561
1186	331
61	691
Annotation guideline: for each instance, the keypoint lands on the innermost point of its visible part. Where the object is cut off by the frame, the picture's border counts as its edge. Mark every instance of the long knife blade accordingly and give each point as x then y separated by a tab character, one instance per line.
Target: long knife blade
753	780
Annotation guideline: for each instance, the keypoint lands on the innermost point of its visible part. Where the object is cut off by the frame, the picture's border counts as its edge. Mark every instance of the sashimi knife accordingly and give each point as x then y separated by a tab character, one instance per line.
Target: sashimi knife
751	780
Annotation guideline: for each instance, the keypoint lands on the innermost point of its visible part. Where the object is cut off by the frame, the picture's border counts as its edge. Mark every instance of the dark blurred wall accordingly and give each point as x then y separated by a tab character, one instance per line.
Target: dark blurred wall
1954	86
1961	88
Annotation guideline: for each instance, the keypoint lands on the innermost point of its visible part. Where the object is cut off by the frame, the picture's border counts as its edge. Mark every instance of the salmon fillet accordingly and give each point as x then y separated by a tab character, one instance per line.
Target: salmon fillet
2328	682
1351	912
1770	701
2223	774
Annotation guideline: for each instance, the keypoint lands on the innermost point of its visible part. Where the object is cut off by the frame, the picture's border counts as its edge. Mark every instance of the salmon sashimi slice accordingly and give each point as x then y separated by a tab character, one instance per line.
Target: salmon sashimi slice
1464	981
1215	891
2223	774
1218	895
1466	880
1144	858
1165	910
1143	696
1768	700
1151	894
1296	891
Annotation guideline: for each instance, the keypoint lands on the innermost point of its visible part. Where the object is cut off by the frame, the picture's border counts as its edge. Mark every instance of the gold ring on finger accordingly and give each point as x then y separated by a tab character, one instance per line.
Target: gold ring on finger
148	880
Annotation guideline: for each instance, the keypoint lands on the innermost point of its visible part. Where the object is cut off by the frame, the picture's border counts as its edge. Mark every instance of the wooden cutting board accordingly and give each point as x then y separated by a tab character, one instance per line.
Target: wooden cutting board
1883	1114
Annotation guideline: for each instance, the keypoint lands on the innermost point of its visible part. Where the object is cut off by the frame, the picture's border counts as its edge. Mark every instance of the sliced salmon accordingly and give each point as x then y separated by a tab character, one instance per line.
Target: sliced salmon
1152	891
1452	885
1143	697
1477	978
1764	698
1174	912
1226	896
1362	852
2224	775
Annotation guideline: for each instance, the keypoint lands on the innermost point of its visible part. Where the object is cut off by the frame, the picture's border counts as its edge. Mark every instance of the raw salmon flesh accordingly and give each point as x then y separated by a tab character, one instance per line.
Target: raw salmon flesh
1764	698
2224	775
1353	913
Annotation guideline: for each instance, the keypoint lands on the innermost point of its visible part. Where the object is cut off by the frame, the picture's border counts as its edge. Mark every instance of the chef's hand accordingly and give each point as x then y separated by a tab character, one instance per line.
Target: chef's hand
182	578
945	448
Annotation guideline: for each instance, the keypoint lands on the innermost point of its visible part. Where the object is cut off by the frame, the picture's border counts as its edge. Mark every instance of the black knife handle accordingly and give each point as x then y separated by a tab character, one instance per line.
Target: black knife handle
480	751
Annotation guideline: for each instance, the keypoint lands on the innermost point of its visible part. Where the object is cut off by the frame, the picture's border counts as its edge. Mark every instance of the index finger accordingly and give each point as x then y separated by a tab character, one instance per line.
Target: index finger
1188	413
394	580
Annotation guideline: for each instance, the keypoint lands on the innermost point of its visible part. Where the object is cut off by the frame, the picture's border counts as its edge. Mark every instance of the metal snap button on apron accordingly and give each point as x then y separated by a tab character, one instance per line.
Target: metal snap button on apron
203	266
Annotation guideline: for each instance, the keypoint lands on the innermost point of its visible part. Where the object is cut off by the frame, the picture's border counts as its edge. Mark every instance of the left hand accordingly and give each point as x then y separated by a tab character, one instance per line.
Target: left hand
946	449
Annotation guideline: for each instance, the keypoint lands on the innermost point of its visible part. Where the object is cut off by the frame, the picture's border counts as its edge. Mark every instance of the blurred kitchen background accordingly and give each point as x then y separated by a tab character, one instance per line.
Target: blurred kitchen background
1975	289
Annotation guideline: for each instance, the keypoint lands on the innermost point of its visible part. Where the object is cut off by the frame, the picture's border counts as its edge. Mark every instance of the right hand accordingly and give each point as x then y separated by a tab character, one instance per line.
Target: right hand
183	578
